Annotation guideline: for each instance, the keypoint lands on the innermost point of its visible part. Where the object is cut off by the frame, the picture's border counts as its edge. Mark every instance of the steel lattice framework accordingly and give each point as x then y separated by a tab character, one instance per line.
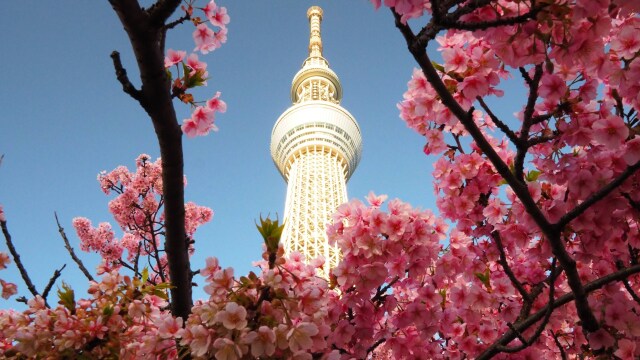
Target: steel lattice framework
316	145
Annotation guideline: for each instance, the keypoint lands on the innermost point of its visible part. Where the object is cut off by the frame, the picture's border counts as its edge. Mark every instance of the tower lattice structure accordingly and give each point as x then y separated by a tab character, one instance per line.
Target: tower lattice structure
316	145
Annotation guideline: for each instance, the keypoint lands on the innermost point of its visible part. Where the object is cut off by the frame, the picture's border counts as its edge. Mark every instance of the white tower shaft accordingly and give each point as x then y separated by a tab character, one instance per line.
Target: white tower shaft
316	188
316	145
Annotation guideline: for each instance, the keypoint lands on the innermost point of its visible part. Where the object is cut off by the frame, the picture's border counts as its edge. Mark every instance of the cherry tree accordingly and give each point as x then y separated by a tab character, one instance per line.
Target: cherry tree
534	253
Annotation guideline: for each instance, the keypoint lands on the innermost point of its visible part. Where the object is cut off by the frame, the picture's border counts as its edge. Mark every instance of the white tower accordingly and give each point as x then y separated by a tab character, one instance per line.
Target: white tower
316	145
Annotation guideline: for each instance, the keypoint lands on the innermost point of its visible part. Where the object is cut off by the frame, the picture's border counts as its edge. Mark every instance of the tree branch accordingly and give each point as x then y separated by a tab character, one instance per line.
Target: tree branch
161	11
526	297
563	300
597	196
16	259
121	75
56	275
502	126
71	252
518	163
146	34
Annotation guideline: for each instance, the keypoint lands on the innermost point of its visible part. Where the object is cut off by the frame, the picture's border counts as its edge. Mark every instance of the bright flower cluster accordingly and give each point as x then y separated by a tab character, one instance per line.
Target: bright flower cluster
138	210
191	72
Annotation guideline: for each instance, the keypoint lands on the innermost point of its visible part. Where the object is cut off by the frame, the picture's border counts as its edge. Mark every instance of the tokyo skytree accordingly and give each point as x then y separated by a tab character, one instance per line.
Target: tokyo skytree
316	145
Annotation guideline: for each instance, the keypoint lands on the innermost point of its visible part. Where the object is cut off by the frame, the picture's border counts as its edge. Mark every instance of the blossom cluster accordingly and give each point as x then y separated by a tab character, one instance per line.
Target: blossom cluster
191	72
138	211
577	135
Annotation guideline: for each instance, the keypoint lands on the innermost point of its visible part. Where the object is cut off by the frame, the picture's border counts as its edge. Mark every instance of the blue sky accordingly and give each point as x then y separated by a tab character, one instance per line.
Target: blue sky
65	118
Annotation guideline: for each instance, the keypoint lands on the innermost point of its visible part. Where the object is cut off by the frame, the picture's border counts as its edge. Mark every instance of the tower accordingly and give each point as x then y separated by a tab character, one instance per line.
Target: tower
316	145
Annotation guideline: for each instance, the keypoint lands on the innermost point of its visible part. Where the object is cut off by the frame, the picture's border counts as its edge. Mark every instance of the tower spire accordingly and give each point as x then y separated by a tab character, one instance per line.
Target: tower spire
315	81
315	39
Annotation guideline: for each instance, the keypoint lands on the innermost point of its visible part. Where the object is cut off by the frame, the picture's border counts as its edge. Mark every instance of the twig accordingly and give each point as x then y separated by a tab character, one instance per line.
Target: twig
56	275
563	354
70	250
527	123
16	259
502	126
526	297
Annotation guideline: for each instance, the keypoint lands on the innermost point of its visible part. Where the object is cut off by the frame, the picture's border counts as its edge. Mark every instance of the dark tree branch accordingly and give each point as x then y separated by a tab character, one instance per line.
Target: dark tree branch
502	126
526	343
597	196
521	190
563	354
56	275
161	11
121	75
67	246
526	123
634	204
483	25
146	34
177	22
16	259
526	297
510	335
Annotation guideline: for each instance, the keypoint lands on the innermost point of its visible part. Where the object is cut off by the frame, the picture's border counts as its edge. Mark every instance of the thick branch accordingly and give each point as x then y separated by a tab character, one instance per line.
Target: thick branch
563	300
16	259
67	246
146	33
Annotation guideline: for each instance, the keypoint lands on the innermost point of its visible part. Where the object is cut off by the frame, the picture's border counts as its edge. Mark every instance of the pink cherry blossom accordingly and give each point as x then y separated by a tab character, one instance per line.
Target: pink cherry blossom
227	349
552	87
219	17
4	260
215	104
299	336
8	289
205	39
233	316
632	151
610	131
196	65
626	349
173	57
262	341
626	43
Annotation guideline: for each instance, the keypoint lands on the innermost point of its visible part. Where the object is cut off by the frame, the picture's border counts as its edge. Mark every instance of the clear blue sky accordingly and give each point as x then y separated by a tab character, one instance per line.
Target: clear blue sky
65	118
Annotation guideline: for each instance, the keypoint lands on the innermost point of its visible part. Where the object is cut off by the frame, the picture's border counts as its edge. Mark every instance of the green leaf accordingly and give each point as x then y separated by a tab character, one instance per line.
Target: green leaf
437	66
532	175
107	311
485	278
145	275
67	297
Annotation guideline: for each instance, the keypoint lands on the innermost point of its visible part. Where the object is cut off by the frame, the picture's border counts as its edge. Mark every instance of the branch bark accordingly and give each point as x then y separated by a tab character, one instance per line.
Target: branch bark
145	30
16	258
72	253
